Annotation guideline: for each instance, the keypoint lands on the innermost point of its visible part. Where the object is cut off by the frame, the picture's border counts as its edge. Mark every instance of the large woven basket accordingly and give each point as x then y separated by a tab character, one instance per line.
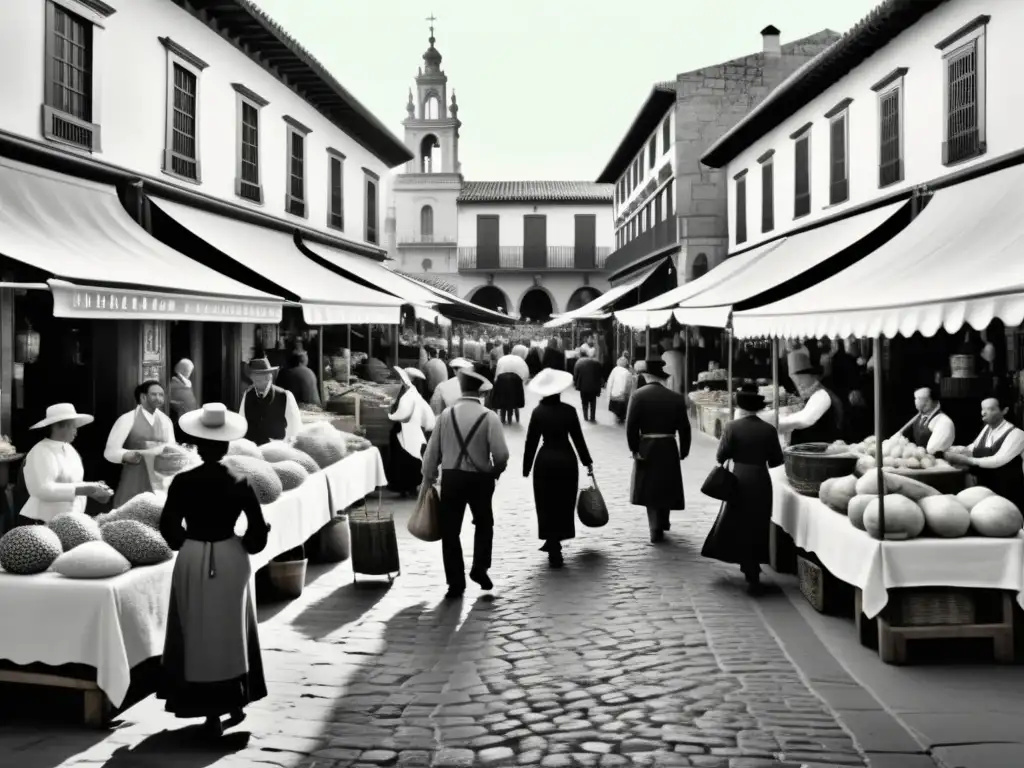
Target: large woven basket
936	608
374	543
808	466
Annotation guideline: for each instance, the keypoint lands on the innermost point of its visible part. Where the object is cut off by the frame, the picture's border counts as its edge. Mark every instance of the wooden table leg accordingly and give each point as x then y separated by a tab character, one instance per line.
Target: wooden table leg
1003	643
96	707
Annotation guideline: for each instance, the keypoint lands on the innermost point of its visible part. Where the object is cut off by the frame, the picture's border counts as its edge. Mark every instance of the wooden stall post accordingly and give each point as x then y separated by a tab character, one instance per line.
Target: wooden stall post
876	353
321	376
775	380
686	360
647	344
369	341
728	372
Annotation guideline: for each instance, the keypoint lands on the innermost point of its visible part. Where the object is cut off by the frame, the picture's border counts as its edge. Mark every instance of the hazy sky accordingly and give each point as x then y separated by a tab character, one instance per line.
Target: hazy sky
546	88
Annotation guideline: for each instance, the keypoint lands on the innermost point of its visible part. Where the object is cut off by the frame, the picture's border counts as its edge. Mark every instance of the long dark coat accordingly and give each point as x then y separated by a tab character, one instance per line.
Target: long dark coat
657	477
740	534
556	471
587	376
553	358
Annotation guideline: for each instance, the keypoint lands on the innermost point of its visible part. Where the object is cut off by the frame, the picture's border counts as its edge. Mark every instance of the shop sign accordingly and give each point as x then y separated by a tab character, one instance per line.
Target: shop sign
85	301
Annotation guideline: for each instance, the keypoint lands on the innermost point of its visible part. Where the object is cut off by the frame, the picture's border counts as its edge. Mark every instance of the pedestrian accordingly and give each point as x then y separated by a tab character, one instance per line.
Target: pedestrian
556	469
553	357
587	377
654	417
140	431
406	439
436	372
468	450
272	413
740	534
508	395
534	361
211	663
299	379
447	393
620	387
181	396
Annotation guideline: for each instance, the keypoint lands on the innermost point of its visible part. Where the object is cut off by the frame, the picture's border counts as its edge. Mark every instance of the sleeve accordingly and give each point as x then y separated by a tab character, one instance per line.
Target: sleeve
114	451
576	433
496	439
532	443
775	457
404	407
943	435
632	425
432	454
809	415
292	416
255	537
974	443
683	428
173	514
1012	448
724	453
41	470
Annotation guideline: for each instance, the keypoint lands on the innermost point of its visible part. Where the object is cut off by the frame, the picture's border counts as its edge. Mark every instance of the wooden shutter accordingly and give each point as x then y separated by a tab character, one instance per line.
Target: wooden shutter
839	187
962	136
767	197
802	177
741	210
890	157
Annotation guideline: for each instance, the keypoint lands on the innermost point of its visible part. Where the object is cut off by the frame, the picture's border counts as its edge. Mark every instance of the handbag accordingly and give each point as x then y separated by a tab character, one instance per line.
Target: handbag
720	484
590	506
425	523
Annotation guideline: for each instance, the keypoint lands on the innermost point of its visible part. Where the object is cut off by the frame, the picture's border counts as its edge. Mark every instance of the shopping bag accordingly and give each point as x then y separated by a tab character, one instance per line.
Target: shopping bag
590	506
425	523
721	484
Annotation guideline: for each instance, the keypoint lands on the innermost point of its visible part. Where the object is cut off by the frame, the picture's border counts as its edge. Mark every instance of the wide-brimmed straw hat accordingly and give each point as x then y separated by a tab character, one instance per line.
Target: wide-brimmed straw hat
471	381
550	382
63	412
460	362
415	373
214	422
261	365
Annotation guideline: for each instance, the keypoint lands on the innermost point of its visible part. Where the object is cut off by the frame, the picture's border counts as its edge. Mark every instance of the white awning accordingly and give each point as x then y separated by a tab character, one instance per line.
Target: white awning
480	314
798	255
594	310
326	298
105	266
958	262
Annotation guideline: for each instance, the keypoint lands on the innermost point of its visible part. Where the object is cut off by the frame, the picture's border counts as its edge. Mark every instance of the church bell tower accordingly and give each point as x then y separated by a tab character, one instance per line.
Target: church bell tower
432	123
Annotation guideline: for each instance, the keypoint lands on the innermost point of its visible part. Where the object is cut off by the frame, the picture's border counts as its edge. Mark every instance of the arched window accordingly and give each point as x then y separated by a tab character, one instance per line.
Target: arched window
432	107
427	221
700	266
430	154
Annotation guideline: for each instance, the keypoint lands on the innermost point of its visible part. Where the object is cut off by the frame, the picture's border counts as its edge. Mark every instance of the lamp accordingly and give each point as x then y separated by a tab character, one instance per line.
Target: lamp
26	345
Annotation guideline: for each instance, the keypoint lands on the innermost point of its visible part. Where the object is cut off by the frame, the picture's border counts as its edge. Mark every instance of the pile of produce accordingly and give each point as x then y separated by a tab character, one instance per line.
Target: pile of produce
243	447
259	474
323	443
355	443
371	393
913	508
6	446
719	374
898	454
145	508
278	450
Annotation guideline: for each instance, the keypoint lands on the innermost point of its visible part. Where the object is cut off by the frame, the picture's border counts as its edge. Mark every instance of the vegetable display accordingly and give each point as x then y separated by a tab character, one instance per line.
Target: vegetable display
897	453
259	474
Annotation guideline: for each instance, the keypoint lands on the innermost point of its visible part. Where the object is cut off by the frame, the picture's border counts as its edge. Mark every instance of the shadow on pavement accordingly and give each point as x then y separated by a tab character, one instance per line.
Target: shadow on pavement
184	748
344	605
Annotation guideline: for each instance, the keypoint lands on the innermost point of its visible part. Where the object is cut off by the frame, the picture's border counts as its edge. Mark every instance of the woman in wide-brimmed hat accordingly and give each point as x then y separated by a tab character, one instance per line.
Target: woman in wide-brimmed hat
740	534
556	470
211	662
407	439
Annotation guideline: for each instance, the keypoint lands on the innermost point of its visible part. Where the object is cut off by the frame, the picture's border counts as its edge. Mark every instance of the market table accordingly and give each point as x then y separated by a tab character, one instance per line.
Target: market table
293	518
875	567
354	478
110	625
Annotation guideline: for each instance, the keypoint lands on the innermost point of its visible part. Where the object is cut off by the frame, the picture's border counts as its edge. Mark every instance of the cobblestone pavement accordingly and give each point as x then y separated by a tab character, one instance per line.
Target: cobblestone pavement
632	655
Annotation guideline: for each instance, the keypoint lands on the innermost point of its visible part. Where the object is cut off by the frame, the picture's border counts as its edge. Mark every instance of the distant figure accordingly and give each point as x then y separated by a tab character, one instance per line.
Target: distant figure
620	387
298	379
181	396
588	380
436	372
554	357
508	395
534	361
270	412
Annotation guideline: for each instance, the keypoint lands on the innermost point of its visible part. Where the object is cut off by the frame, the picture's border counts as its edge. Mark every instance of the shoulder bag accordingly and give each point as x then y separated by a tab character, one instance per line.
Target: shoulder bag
720	484
590	506
425	523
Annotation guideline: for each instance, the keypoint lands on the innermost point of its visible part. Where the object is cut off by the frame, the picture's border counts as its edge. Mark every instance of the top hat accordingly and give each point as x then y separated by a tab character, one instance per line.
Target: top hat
63	412
214	422
655	369
799	362
261	365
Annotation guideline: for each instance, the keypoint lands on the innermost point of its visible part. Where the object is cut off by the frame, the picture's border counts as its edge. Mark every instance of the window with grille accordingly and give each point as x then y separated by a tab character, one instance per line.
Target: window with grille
767	196
295	202
183	152
652	151
249	154
802	177
336	212
890	149
839	165
741	210
666	133
371	211
963	105
68	103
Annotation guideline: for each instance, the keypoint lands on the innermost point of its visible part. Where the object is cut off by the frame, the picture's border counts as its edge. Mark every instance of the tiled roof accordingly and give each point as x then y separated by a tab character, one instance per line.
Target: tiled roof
433	282
535	192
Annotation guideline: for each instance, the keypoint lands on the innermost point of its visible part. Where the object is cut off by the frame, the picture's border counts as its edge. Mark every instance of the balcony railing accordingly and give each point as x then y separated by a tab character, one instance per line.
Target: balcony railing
417	239
516	257
657	237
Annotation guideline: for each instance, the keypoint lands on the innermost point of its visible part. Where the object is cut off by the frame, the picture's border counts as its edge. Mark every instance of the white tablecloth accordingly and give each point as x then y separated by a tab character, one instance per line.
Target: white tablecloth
855	557
109	624
355	477
293	518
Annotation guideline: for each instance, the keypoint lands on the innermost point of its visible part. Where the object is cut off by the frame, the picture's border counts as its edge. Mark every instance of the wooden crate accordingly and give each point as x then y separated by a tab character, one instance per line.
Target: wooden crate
823	591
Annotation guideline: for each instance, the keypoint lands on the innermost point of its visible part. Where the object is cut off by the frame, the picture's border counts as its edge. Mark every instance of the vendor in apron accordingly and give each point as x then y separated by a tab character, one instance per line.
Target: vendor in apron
930	428
144	428
821	418
995	456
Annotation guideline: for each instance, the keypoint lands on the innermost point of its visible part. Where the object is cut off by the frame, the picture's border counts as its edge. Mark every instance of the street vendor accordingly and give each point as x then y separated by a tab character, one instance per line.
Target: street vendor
930	428
447	393
142	429
821	418
270	411
406	440
995	455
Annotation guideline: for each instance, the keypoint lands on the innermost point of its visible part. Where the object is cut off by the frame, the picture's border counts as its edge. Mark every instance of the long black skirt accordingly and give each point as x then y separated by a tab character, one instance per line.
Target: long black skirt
556	476
211	664
508	393
740	534
404	471
618	408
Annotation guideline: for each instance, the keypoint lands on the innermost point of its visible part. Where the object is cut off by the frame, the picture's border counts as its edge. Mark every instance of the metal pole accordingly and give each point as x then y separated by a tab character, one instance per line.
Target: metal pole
369	341
775	380
647	343
348	362
686	360
728	372
876	352
323	380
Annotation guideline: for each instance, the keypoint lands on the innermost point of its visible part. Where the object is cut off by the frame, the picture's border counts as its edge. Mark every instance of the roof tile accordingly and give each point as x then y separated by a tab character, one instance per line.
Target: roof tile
535	192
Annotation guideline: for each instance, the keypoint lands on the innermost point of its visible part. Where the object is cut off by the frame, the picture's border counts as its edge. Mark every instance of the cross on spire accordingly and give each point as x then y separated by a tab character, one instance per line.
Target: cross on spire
431	18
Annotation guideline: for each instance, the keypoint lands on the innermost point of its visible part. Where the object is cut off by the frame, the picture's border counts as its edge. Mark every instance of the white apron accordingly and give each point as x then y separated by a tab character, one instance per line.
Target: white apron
411	436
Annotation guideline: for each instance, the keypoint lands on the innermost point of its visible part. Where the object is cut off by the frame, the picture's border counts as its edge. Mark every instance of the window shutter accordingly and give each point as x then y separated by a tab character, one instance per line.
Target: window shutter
296	174
838	191
182	158
249	184
767	197
802	180
741	210
890	167
962	135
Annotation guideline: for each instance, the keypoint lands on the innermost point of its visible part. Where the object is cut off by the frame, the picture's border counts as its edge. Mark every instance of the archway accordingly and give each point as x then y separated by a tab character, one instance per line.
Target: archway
432	107
490	297
581	297
535	306
430	154
700	266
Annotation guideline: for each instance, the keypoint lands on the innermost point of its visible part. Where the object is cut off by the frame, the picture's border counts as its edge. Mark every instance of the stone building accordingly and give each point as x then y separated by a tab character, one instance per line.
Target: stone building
671	212
527	248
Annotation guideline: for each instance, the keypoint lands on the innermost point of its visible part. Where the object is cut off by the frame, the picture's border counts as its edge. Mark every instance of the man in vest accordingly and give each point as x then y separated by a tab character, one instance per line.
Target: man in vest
271	412
930	428
821	418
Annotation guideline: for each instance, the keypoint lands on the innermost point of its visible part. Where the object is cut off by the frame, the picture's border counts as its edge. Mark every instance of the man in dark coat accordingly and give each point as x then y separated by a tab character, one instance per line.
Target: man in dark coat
588	379
655	416
298	379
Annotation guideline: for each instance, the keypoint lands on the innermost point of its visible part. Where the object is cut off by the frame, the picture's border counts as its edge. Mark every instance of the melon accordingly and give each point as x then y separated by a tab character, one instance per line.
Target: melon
290	473
904	519
145	508
839	493
137	542
324	449
971	496
825	488
74	529
243	447
945	516
259	474
29	549
865	464
996	517
278	450
855	510
907	486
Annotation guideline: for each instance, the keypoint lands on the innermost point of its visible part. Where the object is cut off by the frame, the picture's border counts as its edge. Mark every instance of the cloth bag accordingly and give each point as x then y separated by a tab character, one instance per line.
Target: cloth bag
720	484
590	506
425	523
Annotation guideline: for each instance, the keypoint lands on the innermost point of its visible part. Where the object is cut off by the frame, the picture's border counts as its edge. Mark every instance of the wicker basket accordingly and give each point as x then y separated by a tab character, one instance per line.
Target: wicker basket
934	608
808	466
961	366
812	583
374	543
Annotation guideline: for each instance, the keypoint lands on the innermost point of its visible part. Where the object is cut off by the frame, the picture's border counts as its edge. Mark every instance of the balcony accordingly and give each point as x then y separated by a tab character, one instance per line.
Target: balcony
659	236
507	258
419	241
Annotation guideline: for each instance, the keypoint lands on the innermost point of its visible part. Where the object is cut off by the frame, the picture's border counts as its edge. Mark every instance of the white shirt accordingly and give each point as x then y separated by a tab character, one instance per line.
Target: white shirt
1012	447
447	394
115	450
816	407
618	382
292	413
53	470
943	432
675	367
512	364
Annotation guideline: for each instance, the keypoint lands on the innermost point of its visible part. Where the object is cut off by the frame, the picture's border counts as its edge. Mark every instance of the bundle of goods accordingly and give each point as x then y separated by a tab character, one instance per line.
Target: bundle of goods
913	508
355	443
259	474
719	374
6	447
175	458
321	442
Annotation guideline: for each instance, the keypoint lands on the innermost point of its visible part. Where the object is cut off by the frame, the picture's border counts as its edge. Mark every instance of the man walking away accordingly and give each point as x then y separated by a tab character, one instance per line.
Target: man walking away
468	448
654	417
588	380
436	372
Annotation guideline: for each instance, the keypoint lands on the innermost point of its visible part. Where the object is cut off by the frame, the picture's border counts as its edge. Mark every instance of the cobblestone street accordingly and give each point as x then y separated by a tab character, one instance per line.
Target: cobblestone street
632	655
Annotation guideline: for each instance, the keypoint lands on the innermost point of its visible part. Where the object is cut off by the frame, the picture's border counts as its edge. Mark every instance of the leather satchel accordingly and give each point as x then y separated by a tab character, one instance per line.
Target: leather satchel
720	484
425	523
590	506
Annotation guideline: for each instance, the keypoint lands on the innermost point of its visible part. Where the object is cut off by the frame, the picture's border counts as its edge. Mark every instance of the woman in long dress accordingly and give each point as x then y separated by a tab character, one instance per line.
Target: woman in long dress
211	663
556	470
740	534
406	442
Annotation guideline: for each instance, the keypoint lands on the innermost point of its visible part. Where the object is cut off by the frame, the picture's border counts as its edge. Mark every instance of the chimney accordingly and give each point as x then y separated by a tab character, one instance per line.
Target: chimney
772	47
